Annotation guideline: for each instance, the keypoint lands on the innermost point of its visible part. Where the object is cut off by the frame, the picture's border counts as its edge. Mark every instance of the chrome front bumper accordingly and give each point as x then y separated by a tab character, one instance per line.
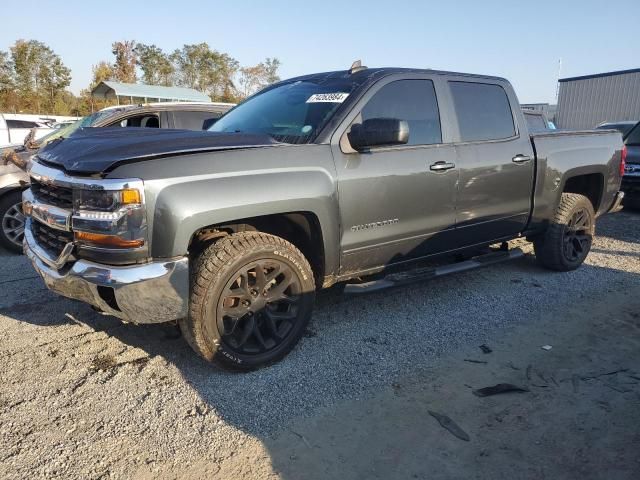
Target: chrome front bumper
153	292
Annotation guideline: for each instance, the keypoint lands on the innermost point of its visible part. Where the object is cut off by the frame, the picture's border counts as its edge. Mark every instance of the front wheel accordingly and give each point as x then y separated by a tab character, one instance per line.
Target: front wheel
12	221
567	241
250	302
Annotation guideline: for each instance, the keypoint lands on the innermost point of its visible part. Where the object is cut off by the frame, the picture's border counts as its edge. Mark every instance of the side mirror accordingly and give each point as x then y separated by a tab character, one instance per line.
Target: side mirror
378	132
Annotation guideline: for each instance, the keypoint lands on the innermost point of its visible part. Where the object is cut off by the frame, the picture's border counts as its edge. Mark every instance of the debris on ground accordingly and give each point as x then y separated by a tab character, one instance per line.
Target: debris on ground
450	425
301	437
528	371
605	374
103	362
546	347
485	349
575	381
498	389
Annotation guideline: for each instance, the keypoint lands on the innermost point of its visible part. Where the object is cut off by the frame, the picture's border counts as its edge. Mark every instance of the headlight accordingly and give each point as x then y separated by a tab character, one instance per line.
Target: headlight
106	200
114	219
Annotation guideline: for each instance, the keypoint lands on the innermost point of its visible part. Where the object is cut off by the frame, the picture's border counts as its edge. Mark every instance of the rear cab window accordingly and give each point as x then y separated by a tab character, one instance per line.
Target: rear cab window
483	111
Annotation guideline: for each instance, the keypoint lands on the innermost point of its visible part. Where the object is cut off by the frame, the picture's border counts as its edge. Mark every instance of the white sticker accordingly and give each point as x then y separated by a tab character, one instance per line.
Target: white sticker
328	97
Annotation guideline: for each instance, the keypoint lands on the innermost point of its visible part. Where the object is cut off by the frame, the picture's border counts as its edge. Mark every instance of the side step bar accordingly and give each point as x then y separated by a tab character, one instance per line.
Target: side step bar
412	276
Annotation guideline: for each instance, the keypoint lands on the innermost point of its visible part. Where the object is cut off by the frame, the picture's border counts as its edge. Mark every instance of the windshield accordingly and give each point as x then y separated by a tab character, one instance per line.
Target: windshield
67	130
290	113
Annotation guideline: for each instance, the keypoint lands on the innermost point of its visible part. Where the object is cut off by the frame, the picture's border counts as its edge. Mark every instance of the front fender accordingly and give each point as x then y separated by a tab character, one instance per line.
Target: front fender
187	193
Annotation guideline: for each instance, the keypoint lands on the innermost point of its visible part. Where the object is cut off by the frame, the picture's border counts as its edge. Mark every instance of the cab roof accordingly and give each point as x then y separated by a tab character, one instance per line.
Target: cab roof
365	74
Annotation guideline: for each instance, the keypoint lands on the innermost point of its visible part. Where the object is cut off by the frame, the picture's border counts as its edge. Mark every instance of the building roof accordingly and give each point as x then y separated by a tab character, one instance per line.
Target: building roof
598	75
109	89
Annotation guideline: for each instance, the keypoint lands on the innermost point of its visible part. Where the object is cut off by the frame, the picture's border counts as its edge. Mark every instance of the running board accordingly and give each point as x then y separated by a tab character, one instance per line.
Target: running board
405	278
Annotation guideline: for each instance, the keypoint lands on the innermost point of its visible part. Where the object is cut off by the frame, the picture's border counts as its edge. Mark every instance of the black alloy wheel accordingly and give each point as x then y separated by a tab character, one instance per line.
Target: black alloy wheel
577	237
259	307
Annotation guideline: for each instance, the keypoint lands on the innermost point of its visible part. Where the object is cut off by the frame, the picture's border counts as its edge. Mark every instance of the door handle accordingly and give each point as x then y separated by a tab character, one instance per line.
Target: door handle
441	166
521	158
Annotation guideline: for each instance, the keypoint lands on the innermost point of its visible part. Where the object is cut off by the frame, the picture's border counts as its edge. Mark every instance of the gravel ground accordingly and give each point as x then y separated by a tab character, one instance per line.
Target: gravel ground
85	396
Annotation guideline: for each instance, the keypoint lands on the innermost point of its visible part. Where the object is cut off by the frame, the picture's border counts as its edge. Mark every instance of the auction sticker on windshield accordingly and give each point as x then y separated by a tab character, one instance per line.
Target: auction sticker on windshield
327	98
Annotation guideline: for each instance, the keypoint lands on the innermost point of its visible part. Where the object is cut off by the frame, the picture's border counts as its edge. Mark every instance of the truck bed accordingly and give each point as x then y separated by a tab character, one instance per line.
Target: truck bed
561	155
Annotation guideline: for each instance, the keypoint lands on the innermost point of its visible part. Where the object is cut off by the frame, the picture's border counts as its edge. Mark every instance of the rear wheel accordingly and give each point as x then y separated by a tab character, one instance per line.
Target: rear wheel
567	241
251	300
12	221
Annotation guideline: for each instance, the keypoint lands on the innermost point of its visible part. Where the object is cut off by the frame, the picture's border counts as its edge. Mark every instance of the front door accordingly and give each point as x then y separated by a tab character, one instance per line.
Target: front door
396	202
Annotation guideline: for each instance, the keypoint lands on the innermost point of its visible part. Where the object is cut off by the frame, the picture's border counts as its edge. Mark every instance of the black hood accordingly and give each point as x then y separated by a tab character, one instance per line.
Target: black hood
97	150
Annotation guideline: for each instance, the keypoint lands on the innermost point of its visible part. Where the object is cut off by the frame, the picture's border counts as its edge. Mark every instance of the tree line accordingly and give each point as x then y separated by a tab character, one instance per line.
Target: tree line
34	79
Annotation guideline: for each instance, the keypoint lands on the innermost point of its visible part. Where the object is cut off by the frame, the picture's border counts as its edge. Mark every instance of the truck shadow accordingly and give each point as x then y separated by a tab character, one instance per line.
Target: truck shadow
358	343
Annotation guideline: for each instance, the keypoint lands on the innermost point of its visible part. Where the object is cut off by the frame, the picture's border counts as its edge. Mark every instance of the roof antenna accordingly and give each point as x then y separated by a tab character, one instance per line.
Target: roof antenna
356	67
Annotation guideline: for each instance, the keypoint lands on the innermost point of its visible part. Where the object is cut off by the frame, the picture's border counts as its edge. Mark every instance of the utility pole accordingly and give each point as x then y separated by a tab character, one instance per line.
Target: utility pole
558	79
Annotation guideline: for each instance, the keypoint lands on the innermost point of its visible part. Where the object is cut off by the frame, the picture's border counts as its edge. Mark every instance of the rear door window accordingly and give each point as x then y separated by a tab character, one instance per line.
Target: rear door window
411	100
195	120
483	111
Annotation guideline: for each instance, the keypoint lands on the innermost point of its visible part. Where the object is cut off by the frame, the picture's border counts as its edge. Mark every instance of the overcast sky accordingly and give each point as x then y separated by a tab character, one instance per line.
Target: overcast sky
521	41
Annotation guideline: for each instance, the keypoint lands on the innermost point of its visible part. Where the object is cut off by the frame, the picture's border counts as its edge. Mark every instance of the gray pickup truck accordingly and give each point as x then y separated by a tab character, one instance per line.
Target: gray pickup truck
315	180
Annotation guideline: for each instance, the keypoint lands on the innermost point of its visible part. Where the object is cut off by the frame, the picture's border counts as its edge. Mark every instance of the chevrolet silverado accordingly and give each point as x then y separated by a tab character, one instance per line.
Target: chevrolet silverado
315	180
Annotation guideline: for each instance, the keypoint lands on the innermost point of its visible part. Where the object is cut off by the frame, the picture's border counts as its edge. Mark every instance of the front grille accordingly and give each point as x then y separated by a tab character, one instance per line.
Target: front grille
52	240
52	194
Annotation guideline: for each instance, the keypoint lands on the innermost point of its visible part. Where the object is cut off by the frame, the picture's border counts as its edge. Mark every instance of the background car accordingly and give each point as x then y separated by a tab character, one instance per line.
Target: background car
631	180
14	127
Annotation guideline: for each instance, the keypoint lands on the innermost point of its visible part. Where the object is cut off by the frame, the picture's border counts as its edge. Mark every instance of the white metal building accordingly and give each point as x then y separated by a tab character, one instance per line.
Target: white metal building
586	102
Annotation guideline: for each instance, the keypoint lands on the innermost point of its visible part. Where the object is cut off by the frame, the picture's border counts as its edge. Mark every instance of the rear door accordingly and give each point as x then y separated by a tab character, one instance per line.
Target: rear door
495	158
394	205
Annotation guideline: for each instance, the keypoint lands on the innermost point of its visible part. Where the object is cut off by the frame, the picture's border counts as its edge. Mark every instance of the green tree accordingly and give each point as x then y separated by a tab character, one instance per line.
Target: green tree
207	70
6	72
252	79
156	66
54	78
124	67
40	76
102	71
271	67
8	98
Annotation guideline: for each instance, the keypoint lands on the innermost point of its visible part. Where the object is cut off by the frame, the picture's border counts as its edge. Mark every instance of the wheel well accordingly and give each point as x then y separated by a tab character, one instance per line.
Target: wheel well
590	186
9	190
302	229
